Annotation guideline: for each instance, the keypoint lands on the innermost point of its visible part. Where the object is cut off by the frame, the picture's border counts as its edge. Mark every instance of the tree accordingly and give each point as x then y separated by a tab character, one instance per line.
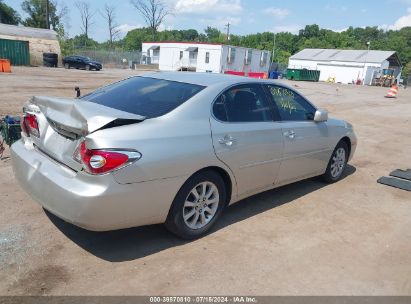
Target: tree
282	56
213	34
109	15
189	35
81	40
136	37
86	16
153	12
310	31
8	15
65	46
36	11
407	70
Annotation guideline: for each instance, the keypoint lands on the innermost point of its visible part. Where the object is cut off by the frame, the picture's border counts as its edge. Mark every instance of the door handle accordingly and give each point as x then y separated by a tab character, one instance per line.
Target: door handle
227	141
290	134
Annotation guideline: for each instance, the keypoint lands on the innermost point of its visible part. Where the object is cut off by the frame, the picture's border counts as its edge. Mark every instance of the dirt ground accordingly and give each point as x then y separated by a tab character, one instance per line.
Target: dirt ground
349	238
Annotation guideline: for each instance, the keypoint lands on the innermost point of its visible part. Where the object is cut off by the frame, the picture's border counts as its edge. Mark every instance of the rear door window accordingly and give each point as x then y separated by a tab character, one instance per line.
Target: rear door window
144	96
244	103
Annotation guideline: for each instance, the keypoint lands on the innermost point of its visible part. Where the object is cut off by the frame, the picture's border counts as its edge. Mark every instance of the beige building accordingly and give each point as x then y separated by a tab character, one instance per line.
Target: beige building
26	45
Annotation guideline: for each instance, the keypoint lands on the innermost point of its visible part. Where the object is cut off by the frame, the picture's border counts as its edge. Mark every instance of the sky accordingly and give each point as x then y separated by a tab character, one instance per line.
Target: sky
247	16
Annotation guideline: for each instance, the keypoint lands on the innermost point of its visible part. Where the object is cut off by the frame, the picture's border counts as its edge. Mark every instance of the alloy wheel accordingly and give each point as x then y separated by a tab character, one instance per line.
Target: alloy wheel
338	162
201	205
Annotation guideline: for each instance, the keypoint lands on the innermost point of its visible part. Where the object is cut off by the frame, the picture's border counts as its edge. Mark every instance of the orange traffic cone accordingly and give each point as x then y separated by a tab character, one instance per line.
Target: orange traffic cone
392	93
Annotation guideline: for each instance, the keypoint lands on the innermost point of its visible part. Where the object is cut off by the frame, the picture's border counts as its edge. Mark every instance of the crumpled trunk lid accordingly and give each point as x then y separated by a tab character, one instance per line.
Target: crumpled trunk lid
64	122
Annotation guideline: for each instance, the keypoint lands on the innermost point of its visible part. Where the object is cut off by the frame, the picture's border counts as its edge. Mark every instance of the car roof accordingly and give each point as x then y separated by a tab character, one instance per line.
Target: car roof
202	79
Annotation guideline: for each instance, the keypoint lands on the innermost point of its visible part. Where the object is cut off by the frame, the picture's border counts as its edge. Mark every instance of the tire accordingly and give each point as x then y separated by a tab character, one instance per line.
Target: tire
337	163
87	67
67	66
198	219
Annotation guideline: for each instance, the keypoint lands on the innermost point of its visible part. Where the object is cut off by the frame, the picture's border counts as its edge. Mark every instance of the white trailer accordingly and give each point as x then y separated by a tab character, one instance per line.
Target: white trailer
205	57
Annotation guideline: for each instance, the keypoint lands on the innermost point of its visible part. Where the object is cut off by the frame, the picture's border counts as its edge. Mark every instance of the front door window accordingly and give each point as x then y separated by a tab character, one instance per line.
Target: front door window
291	106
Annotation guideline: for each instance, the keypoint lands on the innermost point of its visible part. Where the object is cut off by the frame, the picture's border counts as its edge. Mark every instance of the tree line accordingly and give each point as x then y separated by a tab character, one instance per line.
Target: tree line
284	44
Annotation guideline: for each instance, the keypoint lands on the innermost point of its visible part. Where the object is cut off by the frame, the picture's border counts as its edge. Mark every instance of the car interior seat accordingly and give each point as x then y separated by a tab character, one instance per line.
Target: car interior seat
243	107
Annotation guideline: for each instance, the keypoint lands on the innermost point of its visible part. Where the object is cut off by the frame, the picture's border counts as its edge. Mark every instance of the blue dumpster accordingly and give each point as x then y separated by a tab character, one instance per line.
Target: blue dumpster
273	75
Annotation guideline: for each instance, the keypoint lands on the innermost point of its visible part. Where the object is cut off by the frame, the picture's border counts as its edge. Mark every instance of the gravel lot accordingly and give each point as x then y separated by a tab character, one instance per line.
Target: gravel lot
349	238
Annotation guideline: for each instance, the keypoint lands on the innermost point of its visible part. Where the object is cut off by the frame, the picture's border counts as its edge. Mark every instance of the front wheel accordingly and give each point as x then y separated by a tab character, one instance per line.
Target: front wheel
197	205
337	163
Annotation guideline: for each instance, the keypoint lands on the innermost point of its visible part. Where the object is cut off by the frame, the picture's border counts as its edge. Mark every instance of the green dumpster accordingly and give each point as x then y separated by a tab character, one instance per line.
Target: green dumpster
303	75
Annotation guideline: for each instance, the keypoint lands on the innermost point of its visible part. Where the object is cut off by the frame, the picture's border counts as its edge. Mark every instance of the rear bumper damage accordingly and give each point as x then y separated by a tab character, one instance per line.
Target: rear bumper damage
93	202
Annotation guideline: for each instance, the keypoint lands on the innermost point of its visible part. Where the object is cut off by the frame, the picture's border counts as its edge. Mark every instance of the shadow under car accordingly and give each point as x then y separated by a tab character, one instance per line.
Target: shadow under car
133	243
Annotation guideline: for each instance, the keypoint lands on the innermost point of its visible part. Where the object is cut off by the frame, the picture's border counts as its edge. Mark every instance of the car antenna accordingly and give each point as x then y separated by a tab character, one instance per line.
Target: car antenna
77	89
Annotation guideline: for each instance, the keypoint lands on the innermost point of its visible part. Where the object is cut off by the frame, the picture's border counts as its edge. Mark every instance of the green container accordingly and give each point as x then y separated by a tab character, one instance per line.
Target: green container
10	132
16	51
303	75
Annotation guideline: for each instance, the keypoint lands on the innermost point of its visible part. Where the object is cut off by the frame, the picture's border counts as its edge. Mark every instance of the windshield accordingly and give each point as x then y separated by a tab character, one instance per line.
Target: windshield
148	97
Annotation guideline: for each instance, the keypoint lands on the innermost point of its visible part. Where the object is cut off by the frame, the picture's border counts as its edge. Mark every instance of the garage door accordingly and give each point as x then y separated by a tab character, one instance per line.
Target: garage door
16	51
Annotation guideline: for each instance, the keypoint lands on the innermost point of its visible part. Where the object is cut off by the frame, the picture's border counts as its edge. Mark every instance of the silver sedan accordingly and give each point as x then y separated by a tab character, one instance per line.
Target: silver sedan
173	148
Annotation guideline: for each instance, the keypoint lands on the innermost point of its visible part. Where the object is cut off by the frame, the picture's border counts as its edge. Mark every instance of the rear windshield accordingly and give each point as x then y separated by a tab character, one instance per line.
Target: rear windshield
144	96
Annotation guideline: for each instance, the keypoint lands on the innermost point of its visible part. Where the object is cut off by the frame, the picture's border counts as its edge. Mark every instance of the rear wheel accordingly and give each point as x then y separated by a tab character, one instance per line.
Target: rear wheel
337	163
87	67
197	206
67	66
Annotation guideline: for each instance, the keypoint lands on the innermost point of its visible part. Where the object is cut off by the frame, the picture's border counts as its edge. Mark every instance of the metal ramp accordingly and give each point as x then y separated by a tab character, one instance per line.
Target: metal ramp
401	179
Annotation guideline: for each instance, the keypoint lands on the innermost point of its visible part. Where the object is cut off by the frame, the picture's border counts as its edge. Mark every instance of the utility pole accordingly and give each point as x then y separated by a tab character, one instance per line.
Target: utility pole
228	30
364	72
47	14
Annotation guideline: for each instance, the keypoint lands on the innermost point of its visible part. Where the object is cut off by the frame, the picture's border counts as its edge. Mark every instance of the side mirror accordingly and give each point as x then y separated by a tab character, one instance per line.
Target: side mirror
321	116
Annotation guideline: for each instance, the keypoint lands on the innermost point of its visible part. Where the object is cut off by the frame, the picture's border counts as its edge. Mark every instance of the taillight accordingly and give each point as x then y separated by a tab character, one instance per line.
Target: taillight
29	125
105	160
